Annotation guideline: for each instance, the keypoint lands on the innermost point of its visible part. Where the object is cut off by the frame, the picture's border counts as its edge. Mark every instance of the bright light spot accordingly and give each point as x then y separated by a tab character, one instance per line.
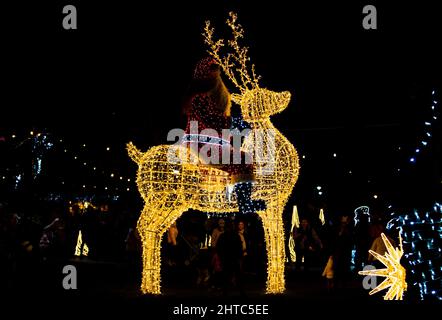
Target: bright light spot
121	178
427	123
320	193
84	186
412	160
32	133
424	143
95	168
13	136
318	187
303	156
428	134
84	145
65	150
112	175
375	196
75	157
62	182
417	150
128	180
334	155
127	189
84	163
107	149
350	172
105	188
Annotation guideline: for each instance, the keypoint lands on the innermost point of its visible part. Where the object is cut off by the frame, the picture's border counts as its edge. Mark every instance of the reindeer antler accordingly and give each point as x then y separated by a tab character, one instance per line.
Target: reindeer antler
232	62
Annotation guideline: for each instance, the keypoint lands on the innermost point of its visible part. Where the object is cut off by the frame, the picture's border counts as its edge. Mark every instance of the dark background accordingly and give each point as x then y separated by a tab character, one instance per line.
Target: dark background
121	76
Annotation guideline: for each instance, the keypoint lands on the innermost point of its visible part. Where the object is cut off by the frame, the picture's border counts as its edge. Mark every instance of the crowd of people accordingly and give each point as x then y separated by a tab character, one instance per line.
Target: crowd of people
35	241
219	254
236	254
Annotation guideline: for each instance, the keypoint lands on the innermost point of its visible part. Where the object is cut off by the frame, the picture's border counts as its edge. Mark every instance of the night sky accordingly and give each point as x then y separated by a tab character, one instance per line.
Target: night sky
121	77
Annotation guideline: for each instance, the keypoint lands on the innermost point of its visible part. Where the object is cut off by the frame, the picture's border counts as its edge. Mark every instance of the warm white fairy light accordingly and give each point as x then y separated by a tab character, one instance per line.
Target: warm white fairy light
295	219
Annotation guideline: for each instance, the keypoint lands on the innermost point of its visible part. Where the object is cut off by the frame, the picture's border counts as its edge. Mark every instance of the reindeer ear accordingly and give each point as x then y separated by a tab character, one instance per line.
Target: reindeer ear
237	98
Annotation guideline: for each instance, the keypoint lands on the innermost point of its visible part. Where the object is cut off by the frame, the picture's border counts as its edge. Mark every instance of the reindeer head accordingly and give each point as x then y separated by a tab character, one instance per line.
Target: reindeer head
256	103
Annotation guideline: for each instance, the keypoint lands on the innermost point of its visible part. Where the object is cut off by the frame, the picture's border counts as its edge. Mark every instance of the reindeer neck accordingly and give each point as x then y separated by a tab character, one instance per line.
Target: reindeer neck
265	124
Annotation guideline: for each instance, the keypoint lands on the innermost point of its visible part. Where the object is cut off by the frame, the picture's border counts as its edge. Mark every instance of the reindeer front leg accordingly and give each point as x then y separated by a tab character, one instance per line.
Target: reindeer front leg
274	236
150	282
152	225
151	242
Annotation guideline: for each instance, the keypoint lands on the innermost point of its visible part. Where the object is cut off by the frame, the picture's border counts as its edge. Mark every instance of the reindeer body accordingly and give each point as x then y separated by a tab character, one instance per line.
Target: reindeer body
169	188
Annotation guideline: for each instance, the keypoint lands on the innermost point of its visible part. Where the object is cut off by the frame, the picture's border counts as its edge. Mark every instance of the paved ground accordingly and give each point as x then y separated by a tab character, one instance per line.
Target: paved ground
110	287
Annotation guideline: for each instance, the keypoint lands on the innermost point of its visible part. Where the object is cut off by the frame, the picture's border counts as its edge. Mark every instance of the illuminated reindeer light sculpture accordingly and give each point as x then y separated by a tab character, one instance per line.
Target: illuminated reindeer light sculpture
171	179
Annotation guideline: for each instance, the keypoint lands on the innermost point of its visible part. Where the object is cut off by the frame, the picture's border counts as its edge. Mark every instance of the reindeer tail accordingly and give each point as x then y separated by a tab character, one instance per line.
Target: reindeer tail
133	152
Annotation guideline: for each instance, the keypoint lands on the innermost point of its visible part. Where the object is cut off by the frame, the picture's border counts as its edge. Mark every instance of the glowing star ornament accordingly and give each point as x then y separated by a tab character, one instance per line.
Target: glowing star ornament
394	273
172	179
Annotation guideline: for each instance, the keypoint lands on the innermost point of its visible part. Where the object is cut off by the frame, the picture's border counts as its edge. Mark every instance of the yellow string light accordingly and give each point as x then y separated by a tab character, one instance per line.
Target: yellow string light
394	272
78	249
170	188
295	223
322	216
295	218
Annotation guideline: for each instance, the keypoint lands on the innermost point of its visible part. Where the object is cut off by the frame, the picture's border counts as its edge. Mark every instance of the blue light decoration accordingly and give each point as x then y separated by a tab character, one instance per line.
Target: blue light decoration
422	241
428	124
40	144
17	181
360	212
